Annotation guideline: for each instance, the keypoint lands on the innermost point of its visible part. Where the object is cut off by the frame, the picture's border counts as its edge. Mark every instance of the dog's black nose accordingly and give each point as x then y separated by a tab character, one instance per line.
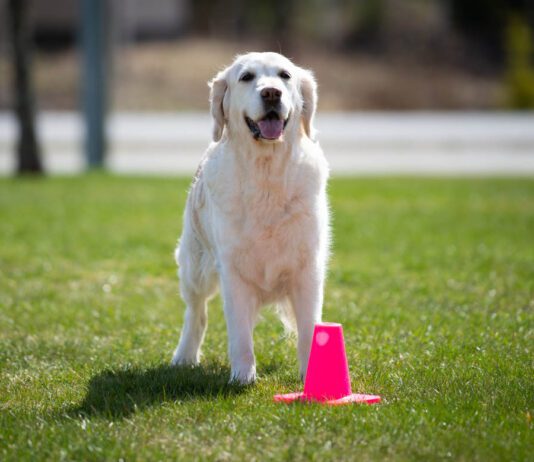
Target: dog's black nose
271	95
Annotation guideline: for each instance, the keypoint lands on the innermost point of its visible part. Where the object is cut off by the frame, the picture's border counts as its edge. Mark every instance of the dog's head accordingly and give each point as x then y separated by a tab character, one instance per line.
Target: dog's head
263	96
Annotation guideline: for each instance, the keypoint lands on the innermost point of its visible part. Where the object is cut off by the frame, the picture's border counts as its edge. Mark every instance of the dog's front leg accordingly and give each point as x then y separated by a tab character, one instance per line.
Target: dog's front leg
240	310
307	301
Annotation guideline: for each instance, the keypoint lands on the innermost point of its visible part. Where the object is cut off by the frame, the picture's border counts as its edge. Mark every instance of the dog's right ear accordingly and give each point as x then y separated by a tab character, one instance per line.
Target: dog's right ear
308	89
218	88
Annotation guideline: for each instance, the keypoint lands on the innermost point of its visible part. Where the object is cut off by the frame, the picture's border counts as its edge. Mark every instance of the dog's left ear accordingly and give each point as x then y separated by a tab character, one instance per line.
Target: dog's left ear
308	90
218	88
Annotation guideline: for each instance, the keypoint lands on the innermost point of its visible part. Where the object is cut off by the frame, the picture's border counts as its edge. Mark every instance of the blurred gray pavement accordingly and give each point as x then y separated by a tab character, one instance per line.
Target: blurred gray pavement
418	143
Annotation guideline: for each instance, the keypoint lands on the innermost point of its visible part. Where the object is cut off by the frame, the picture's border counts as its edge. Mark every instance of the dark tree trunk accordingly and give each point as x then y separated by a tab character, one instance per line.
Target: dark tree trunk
28	153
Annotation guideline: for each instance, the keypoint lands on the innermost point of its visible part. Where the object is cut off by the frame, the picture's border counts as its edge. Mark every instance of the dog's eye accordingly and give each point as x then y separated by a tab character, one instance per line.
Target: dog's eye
284	75
247	77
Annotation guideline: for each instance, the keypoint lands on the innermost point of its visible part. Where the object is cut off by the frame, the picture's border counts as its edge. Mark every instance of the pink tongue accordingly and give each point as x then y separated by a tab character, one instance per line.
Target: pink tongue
271	129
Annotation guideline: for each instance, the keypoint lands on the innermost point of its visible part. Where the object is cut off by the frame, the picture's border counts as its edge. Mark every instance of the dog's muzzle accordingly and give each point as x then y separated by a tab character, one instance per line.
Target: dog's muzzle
269	127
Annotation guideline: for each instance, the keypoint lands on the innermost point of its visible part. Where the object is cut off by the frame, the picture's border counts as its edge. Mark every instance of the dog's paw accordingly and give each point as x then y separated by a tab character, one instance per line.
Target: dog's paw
181	360
243	376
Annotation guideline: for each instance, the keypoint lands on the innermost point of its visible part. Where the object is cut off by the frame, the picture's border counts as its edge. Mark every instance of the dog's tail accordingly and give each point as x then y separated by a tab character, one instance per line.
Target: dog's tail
287	315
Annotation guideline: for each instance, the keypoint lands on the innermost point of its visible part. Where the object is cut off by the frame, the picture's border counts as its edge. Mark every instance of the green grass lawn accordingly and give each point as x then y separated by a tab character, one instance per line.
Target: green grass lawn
432	279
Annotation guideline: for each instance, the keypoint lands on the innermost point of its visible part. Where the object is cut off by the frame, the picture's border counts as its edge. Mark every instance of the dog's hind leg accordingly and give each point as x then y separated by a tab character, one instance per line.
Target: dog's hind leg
195	296
195	323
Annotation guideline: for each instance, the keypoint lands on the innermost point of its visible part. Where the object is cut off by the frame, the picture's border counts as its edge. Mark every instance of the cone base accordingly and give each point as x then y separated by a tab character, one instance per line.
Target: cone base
352	398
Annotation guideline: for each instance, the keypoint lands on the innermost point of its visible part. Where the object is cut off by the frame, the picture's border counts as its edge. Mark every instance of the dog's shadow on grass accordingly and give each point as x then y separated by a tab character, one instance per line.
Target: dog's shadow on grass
121	392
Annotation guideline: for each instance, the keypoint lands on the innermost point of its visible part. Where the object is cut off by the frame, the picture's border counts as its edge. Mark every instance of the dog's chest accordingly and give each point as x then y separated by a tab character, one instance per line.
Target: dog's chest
271	238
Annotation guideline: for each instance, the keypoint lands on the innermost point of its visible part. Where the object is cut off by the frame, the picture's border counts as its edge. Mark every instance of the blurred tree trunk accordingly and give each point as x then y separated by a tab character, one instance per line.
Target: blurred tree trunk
28	152
283	28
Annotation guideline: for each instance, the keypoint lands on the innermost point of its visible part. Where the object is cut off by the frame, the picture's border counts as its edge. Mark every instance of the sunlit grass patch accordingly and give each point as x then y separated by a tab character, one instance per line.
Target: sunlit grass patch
432	280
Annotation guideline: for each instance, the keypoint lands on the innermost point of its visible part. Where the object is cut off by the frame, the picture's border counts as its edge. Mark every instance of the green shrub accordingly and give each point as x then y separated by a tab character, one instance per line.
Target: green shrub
520	71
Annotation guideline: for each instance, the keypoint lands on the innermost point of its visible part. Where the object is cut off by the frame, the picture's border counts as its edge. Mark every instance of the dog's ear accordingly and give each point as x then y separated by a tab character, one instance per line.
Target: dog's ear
308	90
218	88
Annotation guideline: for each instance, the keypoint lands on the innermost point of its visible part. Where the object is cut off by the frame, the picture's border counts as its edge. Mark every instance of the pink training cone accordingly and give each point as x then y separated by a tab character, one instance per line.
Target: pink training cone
327	378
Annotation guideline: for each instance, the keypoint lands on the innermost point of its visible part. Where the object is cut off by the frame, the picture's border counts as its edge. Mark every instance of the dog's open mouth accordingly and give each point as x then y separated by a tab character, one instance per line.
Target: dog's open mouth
269	127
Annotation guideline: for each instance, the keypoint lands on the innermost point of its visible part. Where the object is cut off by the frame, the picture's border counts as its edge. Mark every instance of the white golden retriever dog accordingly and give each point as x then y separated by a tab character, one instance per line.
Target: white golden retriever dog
256	221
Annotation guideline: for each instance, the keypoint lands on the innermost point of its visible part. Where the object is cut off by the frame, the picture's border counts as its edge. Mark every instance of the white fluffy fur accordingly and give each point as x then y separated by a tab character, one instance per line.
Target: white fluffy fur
256	221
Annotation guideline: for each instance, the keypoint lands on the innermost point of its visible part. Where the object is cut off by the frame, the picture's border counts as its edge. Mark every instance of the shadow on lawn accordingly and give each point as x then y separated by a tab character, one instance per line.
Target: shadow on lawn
119	393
